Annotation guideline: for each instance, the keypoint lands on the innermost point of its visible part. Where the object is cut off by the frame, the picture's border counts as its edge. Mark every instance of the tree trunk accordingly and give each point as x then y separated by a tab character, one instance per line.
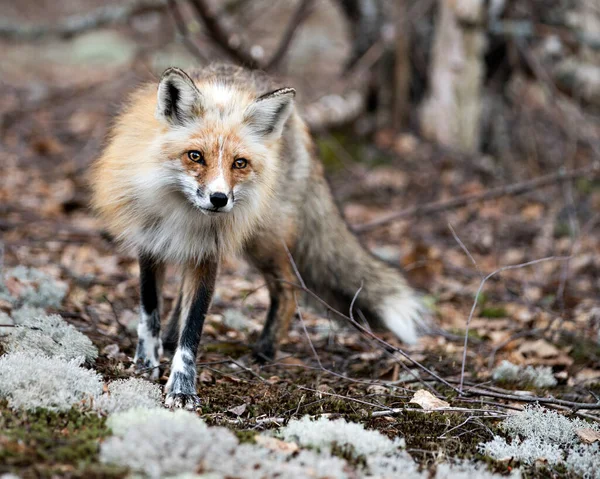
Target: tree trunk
450	114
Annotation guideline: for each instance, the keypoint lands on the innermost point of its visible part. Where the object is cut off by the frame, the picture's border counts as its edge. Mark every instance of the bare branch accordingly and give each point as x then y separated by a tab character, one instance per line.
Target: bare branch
184	32
298	18
506	190
222	37
481	285
78	24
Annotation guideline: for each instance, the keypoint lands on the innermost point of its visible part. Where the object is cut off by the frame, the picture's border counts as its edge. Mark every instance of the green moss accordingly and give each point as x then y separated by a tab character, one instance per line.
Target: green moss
46	444
493	312
585	352
246	436
348	453
233	350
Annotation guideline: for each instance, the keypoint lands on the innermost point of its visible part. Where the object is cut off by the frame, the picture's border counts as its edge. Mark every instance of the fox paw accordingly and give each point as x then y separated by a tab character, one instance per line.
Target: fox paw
263	352
191	402
147	368
147	358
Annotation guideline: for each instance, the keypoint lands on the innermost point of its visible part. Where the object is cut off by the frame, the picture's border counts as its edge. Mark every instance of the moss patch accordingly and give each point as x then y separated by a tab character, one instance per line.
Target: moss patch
47	444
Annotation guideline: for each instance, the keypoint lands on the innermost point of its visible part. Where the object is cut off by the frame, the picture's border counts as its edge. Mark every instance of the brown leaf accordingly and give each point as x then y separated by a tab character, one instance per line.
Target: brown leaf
275	444
588	435
206	377
540	348
238	410
428	401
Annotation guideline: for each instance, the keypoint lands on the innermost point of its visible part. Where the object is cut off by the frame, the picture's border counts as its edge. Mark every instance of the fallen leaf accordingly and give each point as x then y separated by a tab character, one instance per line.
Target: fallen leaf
111	350
540	348
428	401
238	410
588	435
206	377
275	444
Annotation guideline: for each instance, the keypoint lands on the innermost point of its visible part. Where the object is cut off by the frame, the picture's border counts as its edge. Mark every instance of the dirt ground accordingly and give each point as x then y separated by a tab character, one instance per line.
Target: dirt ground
55	112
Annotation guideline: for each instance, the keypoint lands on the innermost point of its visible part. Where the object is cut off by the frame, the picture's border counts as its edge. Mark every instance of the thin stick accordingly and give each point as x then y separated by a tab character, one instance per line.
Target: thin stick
367	332
298	18
466	251
184	33
221	36
506	190
481	285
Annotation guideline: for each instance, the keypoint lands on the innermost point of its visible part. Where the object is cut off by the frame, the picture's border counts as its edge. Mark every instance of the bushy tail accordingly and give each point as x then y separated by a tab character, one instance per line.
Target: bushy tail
334	264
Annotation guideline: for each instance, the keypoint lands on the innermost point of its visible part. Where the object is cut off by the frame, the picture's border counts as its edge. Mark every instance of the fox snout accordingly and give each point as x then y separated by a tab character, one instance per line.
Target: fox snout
219	199
214	200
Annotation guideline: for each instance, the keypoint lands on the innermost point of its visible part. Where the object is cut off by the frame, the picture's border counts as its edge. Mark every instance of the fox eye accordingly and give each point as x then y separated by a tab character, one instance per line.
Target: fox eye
240	163
195	156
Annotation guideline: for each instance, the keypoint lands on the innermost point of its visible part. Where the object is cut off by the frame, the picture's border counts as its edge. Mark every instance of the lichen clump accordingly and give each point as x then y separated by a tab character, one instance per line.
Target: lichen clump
49	335
539	377
29	380
22	285
537	434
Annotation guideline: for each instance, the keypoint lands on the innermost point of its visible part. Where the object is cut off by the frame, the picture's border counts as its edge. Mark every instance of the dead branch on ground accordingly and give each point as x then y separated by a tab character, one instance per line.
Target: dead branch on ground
491	194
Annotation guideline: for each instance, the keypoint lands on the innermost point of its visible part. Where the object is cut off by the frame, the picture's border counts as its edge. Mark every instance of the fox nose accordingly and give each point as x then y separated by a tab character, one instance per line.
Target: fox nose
218	199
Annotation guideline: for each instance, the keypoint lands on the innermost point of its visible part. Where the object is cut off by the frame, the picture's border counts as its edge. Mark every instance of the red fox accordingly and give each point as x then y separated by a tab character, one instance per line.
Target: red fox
215	162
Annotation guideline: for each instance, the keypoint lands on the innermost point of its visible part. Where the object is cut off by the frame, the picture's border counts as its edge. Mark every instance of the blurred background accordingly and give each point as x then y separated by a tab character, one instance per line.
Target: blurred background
446	127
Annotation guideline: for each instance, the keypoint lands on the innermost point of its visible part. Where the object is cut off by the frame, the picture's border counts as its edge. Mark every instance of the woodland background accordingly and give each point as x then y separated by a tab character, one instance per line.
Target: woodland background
462	142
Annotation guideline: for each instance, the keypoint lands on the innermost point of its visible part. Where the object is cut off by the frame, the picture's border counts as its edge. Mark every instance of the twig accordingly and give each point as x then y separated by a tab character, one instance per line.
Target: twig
464	248
222	37
184	33
78	24
370	334
533	399
494	193
481	285
441	409
358	401
360	327
247	369
298	18
122	327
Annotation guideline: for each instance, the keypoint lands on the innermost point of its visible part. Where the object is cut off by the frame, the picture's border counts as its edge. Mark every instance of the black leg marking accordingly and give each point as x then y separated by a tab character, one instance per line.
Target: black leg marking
181	386
171	334
264	350
149	348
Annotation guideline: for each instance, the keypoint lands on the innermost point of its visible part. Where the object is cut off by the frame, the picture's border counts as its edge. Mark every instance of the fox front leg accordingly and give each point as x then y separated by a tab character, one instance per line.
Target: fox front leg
149	347
196	293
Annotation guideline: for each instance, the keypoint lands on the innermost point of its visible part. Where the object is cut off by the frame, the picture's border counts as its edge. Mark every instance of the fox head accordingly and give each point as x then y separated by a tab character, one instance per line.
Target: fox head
220	142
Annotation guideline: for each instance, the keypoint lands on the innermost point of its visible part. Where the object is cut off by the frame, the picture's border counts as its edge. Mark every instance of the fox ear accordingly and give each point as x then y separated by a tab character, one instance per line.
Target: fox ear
179	100
269	112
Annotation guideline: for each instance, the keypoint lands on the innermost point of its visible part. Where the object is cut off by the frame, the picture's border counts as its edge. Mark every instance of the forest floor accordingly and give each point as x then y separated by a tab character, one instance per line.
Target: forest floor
545	314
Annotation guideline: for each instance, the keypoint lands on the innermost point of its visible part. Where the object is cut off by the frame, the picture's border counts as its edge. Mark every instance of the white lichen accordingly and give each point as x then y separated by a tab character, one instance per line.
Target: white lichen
398	465
469	470
527	451
585	461
125	394
537	434
506	371
22	285
31	381
545	424
49	335
323	433
161	443
539	377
